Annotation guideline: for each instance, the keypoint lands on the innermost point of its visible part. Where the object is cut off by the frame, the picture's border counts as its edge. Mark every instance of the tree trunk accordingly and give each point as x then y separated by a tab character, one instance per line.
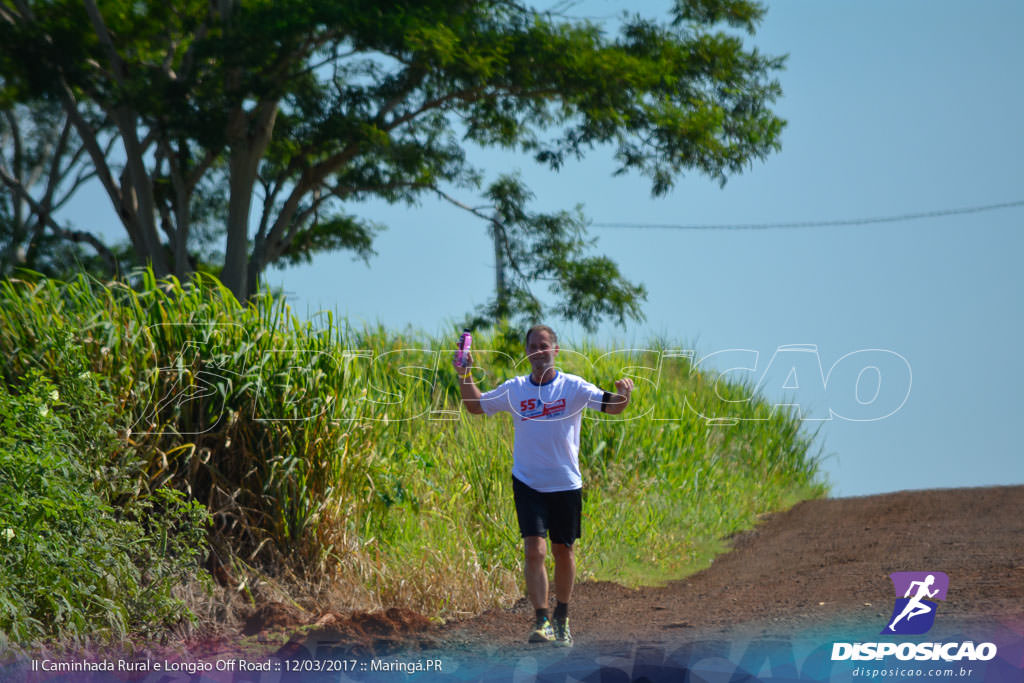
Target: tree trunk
235	272
248	137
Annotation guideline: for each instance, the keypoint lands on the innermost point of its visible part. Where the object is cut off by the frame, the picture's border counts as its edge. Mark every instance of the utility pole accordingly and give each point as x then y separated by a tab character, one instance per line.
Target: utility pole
501	292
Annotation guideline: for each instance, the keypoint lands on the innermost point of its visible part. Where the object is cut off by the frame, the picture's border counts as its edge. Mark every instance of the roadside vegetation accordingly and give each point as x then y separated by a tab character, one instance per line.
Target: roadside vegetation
156	435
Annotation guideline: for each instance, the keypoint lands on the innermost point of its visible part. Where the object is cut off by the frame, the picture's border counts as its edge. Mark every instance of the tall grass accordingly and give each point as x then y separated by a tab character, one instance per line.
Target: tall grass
339	459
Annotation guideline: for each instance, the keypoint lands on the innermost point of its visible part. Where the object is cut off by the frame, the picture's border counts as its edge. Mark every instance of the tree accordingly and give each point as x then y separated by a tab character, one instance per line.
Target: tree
41	167
304	108
536	247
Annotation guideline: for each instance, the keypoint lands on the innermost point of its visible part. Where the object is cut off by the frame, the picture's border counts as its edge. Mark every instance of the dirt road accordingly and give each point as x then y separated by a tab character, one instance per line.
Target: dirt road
821	565
821	562
802	579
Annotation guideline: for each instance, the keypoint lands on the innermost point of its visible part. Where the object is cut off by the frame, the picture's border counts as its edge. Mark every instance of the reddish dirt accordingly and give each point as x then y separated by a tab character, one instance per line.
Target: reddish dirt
820	563
819	567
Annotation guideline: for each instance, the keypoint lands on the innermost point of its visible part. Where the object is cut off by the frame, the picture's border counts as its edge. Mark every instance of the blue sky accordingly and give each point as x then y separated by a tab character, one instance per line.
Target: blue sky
893	108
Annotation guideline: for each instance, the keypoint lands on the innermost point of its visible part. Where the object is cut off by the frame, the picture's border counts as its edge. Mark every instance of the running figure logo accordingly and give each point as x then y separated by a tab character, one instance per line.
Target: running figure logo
914	613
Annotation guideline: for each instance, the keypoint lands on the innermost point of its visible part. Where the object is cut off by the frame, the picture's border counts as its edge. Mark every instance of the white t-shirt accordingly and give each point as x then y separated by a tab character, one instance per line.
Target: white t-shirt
547	420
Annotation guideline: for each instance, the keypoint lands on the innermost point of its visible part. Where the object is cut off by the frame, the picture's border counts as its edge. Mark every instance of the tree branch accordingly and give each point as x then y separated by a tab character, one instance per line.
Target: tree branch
97	155
430	105
16	163
200	169
5	15
415	76
270	192
25	9
498	226
44	218
189	58
103	34
55	175
310	178
79	181
83	175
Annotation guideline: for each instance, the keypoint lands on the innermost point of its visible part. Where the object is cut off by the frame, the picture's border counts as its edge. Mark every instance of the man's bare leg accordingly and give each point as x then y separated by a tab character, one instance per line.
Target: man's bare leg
565	570
565	577
537	587
536	572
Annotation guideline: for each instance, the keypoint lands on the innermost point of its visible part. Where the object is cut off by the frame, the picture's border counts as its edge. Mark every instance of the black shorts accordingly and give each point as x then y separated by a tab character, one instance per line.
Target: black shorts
559	512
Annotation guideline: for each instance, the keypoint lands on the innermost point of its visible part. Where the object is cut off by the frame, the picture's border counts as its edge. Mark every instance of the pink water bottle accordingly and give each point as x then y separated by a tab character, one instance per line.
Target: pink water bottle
462	355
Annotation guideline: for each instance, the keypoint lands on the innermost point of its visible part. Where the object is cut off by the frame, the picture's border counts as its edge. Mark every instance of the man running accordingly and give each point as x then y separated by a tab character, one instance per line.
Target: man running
916	606
547	408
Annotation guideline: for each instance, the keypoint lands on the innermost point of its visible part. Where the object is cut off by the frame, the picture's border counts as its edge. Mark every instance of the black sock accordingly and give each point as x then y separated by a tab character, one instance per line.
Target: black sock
542	612
561	610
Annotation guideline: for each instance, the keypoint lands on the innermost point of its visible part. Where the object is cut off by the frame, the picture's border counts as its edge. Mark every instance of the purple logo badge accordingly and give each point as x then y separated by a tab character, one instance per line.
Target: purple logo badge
916	592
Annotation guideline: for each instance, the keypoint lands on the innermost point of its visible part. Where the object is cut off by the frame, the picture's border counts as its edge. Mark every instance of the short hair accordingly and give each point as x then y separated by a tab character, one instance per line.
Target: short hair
541	328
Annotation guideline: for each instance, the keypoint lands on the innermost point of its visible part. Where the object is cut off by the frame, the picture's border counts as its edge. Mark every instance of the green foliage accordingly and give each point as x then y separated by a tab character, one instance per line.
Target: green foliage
84	556
297	110
341	457
550	247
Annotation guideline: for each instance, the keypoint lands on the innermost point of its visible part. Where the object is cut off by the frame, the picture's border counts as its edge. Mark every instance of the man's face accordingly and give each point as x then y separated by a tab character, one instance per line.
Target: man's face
541	350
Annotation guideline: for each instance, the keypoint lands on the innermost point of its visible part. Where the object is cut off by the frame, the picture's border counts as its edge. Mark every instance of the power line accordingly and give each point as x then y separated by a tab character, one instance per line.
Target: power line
814	224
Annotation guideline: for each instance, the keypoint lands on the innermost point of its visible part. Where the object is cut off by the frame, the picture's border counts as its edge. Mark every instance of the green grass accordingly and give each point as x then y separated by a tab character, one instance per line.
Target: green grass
335	459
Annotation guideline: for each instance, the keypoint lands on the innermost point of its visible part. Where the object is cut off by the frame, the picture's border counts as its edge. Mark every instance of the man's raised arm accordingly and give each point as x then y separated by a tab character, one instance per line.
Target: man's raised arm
467	388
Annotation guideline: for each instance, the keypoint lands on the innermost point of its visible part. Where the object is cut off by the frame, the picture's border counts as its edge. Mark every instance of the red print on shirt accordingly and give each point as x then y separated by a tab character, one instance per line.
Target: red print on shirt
547	409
